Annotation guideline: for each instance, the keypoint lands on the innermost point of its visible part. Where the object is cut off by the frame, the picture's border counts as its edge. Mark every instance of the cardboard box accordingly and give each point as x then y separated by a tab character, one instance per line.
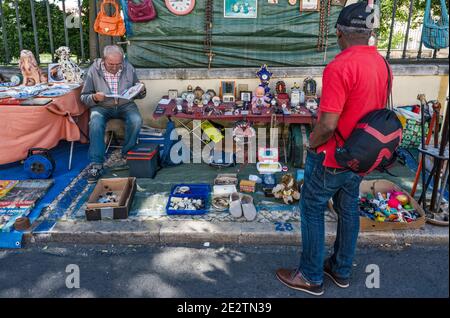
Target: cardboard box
384	186
100	211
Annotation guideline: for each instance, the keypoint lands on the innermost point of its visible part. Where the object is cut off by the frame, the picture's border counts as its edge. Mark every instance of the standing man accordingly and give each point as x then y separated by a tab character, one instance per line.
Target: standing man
110	75
354	84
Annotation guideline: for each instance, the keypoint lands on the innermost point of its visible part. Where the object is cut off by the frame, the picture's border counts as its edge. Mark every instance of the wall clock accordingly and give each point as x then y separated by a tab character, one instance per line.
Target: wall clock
180	7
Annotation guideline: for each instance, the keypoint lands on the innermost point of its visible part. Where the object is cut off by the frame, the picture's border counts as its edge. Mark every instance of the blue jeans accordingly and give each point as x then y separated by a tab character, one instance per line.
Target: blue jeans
321	184
97	124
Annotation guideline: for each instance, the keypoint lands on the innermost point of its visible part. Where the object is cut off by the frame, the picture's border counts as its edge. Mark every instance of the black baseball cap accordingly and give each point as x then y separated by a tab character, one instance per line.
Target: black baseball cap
355	16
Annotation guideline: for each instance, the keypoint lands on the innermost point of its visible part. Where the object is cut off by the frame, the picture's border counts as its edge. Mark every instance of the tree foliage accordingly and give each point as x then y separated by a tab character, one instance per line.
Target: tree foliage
26	27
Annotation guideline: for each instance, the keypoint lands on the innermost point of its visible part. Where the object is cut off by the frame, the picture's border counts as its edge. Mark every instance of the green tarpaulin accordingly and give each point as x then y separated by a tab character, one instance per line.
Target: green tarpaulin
279	36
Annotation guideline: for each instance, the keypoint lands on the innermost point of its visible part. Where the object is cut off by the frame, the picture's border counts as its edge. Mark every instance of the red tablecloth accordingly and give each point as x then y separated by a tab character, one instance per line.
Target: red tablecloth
25	127
302	117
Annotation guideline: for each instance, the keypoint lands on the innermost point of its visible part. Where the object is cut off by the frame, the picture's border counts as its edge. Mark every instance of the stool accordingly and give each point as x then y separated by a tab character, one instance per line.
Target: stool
115	129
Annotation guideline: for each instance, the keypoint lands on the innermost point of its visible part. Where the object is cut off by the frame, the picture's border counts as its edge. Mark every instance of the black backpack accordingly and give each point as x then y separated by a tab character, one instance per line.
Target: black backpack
374	141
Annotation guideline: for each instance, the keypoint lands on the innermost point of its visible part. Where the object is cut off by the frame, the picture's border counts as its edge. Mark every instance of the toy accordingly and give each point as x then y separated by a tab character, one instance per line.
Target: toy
268	161
259	99
29	67
403	199
71	72
287	189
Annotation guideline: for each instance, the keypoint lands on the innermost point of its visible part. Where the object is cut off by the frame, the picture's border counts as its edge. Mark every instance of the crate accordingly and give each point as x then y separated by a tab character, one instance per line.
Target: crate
96	213
197	191
381	185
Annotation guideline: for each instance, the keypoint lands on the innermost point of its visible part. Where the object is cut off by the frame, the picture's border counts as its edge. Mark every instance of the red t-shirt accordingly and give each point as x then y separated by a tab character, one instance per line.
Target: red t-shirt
354	84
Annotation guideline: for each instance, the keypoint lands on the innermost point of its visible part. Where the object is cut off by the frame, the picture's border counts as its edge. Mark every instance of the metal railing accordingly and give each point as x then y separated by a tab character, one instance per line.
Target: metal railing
45	27
408	50
411	49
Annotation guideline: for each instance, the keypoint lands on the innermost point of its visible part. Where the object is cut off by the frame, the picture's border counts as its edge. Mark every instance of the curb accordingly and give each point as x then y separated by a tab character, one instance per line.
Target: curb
188	232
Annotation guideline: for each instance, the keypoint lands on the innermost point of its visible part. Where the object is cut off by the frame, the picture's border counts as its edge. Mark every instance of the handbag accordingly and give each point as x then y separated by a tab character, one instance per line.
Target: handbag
142	11
109	25
435	35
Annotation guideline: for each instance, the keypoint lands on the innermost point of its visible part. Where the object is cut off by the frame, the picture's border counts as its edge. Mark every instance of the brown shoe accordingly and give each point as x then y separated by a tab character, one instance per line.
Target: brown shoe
294	279
341	282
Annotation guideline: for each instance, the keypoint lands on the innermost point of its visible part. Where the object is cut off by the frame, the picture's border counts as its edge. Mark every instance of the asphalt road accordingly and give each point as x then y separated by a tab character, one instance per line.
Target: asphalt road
214	271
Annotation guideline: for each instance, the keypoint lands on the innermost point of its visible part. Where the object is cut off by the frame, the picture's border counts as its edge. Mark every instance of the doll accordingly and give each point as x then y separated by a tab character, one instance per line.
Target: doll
259	99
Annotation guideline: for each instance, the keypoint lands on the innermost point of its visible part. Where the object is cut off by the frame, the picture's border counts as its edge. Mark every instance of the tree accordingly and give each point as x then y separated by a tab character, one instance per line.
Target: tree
26	28
401	16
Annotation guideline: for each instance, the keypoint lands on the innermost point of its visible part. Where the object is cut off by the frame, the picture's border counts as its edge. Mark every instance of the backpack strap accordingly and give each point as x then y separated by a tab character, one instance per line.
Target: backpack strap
389	98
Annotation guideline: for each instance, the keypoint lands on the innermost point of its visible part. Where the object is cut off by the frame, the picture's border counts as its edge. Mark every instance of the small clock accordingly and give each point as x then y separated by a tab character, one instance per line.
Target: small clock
180	7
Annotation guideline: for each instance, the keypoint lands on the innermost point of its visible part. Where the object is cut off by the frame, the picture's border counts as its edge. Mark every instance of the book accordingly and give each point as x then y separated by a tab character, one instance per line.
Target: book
129	94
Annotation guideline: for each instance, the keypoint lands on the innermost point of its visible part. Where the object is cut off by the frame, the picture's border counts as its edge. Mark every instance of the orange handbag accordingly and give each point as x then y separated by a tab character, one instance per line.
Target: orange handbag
109	25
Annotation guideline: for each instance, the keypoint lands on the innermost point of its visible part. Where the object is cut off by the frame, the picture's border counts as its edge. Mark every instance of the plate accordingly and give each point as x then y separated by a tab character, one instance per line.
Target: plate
4	94
23	95
54	92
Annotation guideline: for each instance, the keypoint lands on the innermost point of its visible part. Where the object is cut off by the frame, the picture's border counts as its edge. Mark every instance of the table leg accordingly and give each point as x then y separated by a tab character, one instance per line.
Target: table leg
70	155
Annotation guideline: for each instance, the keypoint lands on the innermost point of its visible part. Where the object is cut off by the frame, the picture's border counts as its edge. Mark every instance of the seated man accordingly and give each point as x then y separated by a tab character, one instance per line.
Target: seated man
110	75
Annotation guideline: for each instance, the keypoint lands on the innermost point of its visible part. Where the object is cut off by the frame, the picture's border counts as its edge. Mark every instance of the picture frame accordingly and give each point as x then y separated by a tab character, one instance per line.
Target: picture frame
247	9
309	5
246	96
173	94
227	88
55	74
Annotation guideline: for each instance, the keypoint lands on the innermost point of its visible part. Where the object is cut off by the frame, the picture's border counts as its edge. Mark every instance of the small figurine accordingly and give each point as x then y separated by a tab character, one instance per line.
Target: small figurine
280	87
71	71
282	97
206	98
216	101
310	87
295	95
198	92
29	67
190	98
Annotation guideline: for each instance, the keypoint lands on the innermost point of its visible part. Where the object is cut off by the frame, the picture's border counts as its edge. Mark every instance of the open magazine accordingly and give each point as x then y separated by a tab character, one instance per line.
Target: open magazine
129	93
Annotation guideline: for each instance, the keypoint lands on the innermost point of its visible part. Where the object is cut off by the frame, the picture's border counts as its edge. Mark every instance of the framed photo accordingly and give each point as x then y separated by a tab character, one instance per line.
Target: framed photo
173	94
227	88
309	5
55	73
246	96
247	9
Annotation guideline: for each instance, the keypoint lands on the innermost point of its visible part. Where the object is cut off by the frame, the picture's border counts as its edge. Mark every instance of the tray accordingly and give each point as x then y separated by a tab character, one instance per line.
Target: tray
196	191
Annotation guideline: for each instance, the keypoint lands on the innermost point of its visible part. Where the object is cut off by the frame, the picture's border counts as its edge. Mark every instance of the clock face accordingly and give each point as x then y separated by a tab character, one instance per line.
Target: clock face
180	7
